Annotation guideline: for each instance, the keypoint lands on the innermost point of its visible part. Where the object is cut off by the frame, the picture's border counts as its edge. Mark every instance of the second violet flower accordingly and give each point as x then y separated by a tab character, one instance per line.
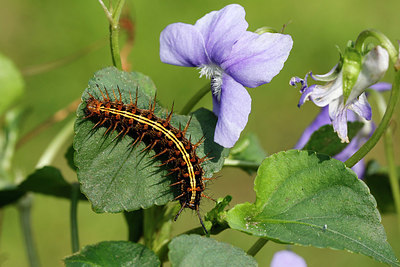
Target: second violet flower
220	46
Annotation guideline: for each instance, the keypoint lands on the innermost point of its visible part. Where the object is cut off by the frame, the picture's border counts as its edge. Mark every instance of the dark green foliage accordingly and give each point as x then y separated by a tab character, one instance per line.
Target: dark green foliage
326	141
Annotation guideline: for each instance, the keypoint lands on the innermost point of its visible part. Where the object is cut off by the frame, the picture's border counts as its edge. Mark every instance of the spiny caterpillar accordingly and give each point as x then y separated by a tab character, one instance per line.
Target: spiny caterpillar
159	135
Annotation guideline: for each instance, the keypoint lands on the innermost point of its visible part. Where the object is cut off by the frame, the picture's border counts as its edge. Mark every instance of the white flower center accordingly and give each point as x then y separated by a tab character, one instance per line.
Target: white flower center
215	73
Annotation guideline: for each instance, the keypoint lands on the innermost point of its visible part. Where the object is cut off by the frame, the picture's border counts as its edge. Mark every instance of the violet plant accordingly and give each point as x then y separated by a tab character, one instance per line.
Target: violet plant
306	196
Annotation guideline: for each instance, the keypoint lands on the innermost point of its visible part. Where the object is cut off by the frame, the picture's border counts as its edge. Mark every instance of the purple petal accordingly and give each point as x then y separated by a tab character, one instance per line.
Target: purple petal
233	110
338	115
221	29
321	119
305	95
359	169
362	107
182	45
382	86
286	258
324	94
256	59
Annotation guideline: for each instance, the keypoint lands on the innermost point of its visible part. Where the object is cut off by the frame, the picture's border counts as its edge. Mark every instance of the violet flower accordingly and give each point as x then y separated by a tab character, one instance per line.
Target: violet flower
358	140
374	65
285	258
221	48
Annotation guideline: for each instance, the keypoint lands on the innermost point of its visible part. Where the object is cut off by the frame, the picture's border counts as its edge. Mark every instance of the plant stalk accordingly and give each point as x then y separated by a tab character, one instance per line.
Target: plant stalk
389	152
195	99
74	217
24	208
258	245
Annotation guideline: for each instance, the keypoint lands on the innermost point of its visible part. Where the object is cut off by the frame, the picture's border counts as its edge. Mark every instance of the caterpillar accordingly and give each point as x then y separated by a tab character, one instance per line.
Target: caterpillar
169	143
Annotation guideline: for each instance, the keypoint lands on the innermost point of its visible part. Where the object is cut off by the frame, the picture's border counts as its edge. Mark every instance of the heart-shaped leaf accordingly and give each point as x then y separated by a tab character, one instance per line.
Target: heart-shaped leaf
310	199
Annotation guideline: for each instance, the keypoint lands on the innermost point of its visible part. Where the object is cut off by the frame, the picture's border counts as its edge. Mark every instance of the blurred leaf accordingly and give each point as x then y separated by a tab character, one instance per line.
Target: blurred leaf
118	177
48	181
8	140
10	195
195	250
326	141
248	149
377	179
113	253
309	199
69	156
11	83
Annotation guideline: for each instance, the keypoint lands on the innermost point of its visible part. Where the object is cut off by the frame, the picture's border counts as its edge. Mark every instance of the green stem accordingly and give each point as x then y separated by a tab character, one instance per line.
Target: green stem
74	217
24	208
134	221
394	97
388	144
195	99
258	245
114	31
241	163
55	145
383	41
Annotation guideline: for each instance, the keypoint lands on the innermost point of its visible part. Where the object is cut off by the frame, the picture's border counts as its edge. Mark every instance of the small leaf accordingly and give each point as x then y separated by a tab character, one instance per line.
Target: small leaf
248	149
113	253
326	141
195	250
11	83
310	199
118	177
48	181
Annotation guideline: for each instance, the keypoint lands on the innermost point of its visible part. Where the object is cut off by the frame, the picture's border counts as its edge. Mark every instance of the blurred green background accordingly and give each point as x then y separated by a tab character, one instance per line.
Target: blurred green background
37	32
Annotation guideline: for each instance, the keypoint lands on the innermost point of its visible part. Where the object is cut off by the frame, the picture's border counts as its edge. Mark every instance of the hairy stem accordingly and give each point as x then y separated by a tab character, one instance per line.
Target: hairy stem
257	246
74	217
195	99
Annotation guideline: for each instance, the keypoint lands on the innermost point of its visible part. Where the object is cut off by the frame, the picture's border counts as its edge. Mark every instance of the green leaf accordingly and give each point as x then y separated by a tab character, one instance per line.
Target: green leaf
48	181
11	83
113	253
9	195
195	250
377	179
116	176
326	141
248	149
69	156
309	199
